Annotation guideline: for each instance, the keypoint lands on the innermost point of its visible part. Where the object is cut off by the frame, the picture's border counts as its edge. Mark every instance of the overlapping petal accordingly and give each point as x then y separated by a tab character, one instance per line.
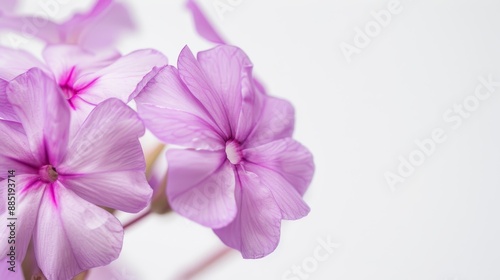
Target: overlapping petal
146	80
276	121
16	62
120	78
13	152
6	110
201	186
229	70
5	273
127	191
256	229
105	163
288	199
29	192
106	142
40	106
68	62
201	87
73	235
286	157
174	115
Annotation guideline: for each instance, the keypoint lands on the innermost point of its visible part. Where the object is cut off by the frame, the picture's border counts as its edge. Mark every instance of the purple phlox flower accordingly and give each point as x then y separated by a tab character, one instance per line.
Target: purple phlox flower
85	78
60	180
242	172
98	28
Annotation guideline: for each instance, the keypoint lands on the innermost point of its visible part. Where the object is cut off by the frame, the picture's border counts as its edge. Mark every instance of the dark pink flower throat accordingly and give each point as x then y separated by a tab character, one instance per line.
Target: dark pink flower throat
48	174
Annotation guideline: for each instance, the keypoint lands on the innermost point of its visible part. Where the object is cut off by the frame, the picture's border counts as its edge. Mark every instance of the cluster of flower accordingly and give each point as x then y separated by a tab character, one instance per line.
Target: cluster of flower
73	142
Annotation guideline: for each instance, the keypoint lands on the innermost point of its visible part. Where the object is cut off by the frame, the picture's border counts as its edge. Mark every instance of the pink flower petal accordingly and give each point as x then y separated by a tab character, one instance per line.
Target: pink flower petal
27	203
80	110
286	196
3	196
121	78
105	163
174	115
7	6
201	186
68	62
251	110
127	191
146	80
288	158
73	235
14	154
39	104
229	71
6	110
276	122
256	229
203	25
201	87
106	142
31	26
99	7
5	273
16	62
181	128
100	27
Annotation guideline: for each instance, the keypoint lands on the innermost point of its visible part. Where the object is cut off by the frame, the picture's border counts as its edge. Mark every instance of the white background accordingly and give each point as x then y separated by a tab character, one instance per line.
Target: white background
358	118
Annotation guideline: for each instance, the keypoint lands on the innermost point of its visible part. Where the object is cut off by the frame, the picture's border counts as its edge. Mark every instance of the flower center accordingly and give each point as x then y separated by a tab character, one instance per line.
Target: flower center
66	83
233	152
68	91
48	174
